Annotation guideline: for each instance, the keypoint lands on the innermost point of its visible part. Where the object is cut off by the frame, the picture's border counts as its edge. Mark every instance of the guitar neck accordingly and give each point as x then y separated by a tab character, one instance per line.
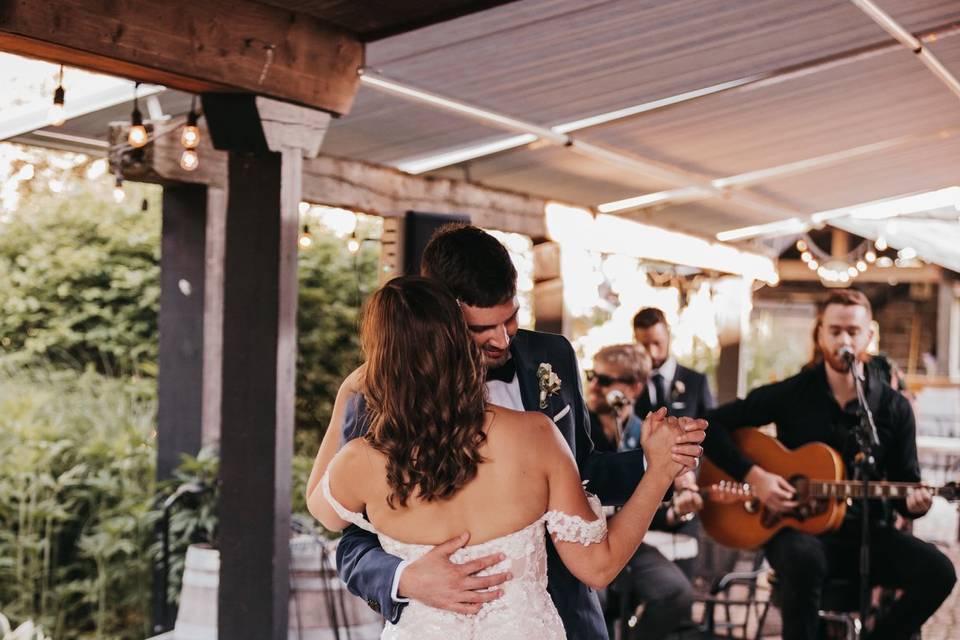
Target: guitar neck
878	489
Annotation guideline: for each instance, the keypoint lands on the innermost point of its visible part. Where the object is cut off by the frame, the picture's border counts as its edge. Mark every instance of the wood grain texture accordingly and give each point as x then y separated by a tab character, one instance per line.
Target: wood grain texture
193	46
351	184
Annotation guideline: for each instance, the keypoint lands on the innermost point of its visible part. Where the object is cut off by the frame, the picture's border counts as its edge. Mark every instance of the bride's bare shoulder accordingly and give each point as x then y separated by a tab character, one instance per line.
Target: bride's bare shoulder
531	428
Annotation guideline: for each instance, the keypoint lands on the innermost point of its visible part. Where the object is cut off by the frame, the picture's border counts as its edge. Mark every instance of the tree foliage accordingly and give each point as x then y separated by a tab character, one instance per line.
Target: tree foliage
80	284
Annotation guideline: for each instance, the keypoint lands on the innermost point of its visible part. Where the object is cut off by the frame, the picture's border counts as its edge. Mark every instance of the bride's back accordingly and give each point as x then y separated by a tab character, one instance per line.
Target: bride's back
508	493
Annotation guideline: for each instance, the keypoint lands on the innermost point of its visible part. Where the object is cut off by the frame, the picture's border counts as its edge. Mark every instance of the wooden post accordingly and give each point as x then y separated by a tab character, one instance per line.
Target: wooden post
213	314
733	296
548	310
948	327
182	287
266	141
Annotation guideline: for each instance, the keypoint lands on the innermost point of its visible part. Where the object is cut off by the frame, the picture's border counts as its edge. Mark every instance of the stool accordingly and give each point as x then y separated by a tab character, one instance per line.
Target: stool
839	605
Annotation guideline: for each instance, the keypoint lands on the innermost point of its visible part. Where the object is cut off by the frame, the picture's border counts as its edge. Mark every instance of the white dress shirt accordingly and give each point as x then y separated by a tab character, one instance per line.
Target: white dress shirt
669	371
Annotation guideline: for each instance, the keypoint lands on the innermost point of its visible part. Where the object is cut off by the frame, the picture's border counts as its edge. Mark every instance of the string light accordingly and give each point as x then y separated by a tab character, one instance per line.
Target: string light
57	115
138	133
881	244
870	257
189	160
306	238
118	194
190	134
353	245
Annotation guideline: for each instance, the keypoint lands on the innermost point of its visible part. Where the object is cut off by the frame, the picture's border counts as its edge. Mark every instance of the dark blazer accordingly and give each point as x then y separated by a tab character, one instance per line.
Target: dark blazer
694	402
368	570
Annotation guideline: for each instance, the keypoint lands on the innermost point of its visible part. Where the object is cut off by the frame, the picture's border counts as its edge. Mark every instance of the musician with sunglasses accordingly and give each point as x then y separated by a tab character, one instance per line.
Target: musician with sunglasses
614	383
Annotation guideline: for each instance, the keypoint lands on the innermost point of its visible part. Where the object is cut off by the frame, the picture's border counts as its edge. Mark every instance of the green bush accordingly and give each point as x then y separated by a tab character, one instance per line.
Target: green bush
80	280
79	286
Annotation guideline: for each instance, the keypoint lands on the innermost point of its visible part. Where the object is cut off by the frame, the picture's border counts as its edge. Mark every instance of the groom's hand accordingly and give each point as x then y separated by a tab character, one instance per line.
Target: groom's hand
436	581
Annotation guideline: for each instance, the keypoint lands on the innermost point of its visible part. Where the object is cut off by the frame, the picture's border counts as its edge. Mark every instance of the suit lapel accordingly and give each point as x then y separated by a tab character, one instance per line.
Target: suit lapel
642	407
526	376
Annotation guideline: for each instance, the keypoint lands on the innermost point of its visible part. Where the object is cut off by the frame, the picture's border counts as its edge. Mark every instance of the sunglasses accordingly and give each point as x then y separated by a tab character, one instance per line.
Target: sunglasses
605	380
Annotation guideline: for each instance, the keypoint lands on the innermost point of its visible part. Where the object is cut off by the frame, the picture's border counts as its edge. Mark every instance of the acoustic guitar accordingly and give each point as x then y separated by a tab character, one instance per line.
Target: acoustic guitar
733	516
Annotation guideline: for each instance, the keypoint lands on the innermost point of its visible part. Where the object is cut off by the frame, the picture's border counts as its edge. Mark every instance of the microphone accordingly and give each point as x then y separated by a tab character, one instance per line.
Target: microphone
847	355
617	400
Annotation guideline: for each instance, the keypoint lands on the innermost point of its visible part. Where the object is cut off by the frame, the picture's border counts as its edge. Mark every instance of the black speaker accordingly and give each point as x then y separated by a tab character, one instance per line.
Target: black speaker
418	227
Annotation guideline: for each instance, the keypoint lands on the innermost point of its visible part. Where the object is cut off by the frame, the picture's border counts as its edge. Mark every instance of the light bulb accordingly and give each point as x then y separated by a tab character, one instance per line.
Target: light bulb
306	238
881	244
801	245
853	272
190	134
870	256
814	265
138	133
138	136
118	193
907	253
353	245
861	266
806	256
189	160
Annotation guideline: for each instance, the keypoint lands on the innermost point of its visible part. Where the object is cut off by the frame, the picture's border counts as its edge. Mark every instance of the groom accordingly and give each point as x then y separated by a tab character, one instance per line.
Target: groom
478	271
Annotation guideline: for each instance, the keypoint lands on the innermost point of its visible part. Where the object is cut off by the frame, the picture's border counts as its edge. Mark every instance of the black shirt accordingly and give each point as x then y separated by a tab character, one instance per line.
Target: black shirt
804	410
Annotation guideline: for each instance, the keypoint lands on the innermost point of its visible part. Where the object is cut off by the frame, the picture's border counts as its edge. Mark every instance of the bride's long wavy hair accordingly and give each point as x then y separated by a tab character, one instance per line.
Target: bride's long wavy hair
424	387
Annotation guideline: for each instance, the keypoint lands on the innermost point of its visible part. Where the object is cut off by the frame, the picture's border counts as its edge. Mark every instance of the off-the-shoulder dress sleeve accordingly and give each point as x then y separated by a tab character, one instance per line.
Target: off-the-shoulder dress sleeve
350	516
568	528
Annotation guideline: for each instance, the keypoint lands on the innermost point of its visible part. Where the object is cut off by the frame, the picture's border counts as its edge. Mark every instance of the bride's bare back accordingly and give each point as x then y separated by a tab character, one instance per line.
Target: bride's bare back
509	492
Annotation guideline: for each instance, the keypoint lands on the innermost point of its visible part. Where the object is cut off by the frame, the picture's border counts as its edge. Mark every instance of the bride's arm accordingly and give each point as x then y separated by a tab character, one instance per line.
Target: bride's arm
346	488
331	439
575	528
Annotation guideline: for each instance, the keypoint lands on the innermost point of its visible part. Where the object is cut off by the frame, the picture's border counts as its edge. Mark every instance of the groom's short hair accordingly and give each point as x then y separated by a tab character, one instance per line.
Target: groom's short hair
472	264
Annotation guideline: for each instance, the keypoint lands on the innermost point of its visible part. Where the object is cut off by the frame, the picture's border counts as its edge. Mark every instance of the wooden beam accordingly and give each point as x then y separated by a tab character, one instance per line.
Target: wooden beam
797	271
213	45
351	184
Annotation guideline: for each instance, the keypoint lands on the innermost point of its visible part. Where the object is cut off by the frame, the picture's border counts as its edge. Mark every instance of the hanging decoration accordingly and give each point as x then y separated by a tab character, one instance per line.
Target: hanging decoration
138	132
841	271
57	115
190	139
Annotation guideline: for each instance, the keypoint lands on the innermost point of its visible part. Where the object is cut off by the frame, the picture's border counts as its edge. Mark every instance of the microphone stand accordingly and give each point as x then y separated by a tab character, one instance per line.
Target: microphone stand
867	439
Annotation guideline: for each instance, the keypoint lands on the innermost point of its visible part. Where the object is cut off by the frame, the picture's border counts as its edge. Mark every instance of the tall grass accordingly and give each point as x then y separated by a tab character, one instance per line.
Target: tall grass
76	489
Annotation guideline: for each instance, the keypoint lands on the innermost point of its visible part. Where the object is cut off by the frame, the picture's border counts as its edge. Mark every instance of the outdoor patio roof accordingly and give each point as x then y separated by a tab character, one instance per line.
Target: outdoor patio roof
784	83
554	62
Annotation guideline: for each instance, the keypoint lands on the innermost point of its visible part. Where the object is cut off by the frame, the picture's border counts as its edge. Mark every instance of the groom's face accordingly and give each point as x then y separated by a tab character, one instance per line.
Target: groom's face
492	329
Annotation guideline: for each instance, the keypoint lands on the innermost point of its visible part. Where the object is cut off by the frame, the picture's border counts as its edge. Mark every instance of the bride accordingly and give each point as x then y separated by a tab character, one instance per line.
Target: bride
438	460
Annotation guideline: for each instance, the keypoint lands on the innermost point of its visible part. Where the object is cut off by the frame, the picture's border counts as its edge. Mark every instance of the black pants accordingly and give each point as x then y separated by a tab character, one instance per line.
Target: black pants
897	560
661	586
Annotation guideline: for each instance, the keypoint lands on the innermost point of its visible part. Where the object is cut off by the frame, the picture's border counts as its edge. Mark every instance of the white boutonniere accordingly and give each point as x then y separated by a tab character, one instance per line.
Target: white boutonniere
548	381
678	389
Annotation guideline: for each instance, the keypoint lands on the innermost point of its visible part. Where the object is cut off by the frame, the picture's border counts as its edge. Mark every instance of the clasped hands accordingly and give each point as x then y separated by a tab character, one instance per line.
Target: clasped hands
680	438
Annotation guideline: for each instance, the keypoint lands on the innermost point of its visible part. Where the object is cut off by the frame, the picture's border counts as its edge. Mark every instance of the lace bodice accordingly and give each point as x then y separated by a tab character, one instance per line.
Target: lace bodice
524	612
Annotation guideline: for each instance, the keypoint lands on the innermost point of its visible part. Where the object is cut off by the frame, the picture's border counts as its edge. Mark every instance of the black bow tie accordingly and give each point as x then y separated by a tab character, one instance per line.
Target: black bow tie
503	373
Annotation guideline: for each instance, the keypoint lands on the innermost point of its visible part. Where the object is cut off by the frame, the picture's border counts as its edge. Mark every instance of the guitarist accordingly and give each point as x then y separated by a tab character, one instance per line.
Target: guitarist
819	404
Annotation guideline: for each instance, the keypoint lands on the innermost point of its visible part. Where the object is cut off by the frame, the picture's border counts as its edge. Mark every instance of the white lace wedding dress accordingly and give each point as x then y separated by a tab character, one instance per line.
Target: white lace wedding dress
524	612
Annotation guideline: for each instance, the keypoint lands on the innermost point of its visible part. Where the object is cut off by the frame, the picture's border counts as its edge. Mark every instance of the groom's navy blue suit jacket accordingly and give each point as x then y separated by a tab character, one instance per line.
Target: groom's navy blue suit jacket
368	570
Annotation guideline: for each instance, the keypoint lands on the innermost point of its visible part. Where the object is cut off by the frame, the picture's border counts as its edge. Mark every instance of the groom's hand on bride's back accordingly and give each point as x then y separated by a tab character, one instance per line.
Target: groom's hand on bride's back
438	582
